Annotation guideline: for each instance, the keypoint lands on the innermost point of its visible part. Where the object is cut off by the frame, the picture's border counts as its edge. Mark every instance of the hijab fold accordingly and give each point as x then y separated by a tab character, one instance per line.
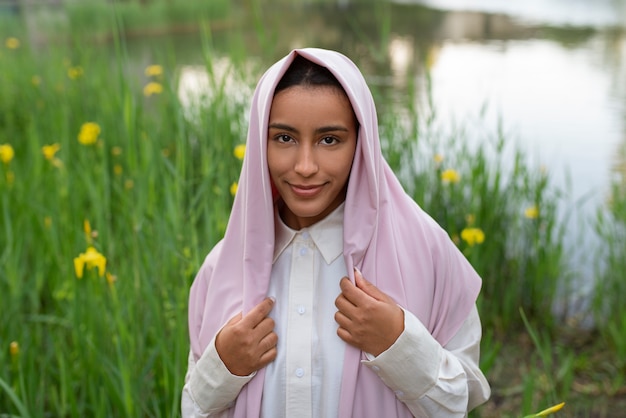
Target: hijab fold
394	243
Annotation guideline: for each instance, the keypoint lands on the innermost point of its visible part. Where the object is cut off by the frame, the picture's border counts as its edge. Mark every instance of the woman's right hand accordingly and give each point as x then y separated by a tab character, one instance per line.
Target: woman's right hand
248	343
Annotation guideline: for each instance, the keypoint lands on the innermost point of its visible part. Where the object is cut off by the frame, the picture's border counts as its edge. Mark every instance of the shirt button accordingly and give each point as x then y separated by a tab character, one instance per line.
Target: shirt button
305	235
299	372
301	309
303	251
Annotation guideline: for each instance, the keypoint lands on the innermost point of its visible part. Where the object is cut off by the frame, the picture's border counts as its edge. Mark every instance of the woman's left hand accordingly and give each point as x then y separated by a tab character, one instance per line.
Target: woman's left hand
368	318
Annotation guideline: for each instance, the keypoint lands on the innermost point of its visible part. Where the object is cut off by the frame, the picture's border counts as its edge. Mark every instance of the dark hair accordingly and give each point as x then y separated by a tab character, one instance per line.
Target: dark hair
303	72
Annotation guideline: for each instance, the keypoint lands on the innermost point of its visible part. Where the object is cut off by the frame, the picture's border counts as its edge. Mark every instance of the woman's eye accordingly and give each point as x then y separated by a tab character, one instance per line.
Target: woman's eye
329	140
283	138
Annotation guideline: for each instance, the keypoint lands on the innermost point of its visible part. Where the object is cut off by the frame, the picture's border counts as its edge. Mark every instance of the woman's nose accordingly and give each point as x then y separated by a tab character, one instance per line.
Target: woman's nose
306	163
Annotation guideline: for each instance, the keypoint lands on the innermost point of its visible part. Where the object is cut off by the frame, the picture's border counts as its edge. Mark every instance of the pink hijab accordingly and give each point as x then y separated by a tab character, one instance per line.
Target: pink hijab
396	245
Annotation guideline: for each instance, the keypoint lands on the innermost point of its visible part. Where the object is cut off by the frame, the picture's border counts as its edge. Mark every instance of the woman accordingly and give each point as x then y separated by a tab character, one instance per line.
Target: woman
282	321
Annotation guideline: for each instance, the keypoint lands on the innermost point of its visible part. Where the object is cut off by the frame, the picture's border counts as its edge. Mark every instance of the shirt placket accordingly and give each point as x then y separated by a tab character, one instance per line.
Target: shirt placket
299	327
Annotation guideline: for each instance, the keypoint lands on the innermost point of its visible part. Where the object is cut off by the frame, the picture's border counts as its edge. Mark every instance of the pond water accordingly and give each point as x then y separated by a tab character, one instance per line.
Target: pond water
553	72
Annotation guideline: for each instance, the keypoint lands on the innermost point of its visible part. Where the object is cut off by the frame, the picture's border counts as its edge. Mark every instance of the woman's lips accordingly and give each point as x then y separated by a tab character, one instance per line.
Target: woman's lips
303	190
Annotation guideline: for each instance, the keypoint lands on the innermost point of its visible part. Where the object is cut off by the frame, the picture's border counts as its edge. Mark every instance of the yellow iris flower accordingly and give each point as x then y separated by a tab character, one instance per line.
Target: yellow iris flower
240	151
12	43
450	176
548	411
153	70
89	133
152	88
531	212
6	153
14	348
75	72
49	151
90	258
473	236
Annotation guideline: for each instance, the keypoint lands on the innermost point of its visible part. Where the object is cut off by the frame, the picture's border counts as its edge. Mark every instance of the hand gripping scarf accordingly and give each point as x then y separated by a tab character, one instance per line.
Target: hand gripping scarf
396	245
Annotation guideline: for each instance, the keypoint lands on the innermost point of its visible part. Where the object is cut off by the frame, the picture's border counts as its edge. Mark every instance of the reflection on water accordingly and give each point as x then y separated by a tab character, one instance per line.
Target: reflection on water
197	87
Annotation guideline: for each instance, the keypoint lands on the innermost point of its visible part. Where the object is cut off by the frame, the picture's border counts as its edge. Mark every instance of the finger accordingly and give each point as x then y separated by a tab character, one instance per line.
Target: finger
234	319
259	312
350	292
367	287
342	320
345	335
268	342
344	306
264	327
267	357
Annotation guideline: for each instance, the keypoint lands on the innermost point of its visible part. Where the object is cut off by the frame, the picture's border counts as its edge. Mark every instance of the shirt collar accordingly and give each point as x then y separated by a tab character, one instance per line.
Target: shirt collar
327	235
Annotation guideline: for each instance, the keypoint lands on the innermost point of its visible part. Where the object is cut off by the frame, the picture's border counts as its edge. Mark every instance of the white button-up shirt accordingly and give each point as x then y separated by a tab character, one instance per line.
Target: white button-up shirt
304	380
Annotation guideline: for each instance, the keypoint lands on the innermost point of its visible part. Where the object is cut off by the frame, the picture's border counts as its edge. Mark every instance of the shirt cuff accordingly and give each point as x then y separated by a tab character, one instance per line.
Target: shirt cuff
410	367
212	387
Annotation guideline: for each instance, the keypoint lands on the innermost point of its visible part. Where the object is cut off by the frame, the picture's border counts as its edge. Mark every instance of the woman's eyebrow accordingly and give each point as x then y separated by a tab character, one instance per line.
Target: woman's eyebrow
331	128
282	127
320	130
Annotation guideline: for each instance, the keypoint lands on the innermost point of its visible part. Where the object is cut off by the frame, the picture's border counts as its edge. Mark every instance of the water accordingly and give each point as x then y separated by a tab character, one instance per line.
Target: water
553	71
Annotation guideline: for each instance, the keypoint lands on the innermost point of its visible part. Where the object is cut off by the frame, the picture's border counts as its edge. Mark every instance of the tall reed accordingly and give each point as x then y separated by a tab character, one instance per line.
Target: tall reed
610	286
501	212
97	140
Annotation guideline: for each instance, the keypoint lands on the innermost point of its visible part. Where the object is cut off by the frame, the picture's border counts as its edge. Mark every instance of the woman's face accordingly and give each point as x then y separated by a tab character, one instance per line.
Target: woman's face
311	142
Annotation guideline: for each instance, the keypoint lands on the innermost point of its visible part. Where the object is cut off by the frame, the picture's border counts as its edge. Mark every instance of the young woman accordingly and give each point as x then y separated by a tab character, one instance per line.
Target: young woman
332	293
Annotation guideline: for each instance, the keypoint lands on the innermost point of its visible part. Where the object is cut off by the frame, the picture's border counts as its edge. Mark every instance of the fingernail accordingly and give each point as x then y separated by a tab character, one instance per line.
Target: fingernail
272	298
358	271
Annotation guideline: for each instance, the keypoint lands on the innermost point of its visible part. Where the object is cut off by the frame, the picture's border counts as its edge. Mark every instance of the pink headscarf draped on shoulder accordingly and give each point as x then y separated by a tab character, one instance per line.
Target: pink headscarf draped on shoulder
396	245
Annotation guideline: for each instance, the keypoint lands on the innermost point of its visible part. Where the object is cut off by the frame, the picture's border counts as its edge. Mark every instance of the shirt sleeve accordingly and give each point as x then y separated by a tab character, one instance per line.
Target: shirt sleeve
210	389
430	379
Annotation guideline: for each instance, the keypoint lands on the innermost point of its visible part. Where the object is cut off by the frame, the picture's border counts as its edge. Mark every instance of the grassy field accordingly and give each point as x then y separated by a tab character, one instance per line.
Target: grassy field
112	191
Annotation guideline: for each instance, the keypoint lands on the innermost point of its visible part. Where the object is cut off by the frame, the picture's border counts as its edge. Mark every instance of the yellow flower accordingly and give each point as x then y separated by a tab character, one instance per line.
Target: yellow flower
233	188
152	88
111	279
50	150
90	258
118	170
12	43
75	72
47	222
240	151
14	348
450	176
35	80
470	219
10	176
547	411
531	212
88	134
129	184
438	158
116	151
154	70
87	229
473	236
6	153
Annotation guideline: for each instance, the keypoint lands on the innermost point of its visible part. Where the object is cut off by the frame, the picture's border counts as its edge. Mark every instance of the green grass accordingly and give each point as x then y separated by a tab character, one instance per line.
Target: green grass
155	188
